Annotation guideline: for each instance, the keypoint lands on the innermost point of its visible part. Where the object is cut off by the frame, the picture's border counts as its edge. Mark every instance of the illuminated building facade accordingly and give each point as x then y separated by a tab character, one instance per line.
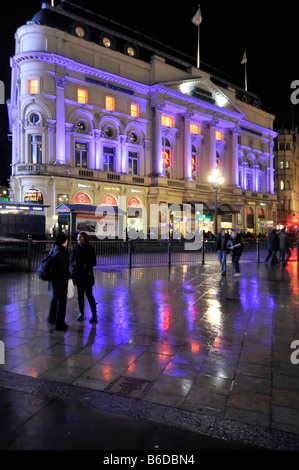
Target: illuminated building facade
286	152
98	113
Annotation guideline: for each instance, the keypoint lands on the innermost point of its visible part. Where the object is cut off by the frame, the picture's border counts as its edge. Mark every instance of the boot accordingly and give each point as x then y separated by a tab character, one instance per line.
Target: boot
80	317
94	318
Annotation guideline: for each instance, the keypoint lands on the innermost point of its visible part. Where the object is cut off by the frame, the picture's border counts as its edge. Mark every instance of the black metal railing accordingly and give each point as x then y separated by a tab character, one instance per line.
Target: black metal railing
26	255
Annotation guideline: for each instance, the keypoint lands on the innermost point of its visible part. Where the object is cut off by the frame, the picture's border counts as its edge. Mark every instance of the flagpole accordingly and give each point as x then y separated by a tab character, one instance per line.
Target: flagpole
246	81
198	48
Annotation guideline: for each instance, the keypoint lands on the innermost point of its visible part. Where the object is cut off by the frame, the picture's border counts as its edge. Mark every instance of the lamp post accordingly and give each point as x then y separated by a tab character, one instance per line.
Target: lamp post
216	181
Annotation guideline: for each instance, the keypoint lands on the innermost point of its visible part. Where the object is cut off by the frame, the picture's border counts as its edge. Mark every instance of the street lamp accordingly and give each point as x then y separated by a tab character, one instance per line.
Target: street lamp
216	181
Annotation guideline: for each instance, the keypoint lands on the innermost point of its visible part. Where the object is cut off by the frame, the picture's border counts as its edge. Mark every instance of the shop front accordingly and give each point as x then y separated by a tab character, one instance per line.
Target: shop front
99	222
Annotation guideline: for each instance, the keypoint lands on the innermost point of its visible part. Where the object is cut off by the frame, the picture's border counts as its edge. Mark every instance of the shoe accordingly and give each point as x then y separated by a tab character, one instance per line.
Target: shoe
94	319
80	317
237	274
52	322
223	274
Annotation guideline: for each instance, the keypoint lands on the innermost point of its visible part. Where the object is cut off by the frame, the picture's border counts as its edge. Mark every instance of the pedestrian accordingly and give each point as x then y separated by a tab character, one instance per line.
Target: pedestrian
273	246
235	244
59	284
222	250
285	247
83	260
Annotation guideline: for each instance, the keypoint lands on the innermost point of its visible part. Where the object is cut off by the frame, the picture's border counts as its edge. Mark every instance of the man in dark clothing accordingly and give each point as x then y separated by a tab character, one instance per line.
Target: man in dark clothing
60	283
221	247
83	261
235	244
273	246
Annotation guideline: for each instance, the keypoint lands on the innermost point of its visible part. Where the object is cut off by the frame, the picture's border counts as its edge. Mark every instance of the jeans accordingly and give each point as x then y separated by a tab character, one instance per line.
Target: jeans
222	260
285	255
82	289
58	310
235	261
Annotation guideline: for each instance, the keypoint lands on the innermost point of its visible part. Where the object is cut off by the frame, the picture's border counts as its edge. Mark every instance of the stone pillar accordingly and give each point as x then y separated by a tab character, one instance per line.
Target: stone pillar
235	157
187	149
60	120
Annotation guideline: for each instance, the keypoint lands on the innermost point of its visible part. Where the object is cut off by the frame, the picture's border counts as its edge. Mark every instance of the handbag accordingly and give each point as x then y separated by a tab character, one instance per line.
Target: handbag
70	289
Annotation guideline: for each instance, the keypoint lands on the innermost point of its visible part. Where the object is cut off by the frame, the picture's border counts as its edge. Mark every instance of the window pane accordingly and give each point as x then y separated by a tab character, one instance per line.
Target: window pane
82	96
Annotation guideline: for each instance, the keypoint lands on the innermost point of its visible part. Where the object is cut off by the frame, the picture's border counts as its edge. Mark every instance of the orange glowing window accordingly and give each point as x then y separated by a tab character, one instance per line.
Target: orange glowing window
110	103
167	121
195	129
33	86
219	135
82	96
134	110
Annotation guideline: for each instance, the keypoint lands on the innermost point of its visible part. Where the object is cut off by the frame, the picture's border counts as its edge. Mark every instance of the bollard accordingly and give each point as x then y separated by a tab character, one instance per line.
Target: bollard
130	253
258	251
29	254
169	253
203	253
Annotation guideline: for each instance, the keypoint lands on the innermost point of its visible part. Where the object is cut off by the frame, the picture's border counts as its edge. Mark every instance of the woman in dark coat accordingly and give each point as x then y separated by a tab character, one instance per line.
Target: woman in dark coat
60	283
83	261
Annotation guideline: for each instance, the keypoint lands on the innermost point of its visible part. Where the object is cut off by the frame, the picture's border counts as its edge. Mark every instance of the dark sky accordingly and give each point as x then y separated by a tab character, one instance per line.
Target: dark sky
268	30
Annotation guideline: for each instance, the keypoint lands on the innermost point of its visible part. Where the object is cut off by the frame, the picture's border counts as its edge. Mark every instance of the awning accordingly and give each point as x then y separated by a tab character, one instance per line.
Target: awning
222	207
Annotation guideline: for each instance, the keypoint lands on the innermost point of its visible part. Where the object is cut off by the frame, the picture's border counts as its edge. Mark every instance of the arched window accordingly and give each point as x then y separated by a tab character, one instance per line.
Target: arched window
166	155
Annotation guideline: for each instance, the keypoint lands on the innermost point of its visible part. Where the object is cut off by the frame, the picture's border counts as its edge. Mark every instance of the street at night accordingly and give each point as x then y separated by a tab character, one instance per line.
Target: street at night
149	229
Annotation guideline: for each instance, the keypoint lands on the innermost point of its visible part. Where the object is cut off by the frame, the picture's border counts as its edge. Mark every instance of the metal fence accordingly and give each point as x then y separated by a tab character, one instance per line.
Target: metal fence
27	255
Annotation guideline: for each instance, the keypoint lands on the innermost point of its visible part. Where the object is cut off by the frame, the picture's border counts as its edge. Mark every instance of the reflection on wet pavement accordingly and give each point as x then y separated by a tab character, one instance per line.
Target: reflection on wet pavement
183	337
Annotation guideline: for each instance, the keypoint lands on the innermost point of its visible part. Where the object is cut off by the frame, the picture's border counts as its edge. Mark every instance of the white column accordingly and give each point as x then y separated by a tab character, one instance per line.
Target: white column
235	157
60	120
271	168
157	161
187	149
213	145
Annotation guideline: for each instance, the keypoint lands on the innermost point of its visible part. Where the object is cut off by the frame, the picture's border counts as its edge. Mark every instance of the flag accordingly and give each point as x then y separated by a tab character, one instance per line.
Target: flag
244	60
197	19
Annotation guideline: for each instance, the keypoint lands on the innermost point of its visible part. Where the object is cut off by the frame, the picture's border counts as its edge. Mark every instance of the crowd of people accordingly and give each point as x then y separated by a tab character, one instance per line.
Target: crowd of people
279	247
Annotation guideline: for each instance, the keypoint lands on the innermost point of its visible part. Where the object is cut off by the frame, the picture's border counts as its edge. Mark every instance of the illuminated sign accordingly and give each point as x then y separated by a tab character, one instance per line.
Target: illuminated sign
82	198
109	86
33	195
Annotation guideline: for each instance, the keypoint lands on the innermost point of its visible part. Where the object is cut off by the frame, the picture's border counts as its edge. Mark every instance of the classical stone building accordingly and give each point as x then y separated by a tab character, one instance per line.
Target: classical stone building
286	152
100	114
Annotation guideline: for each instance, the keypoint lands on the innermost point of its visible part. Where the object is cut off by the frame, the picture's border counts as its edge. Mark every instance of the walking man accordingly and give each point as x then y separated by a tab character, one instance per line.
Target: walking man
221	247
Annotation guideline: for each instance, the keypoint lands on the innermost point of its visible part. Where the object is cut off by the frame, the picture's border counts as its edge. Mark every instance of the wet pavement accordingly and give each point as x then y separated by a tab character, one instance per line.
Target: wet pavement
181	358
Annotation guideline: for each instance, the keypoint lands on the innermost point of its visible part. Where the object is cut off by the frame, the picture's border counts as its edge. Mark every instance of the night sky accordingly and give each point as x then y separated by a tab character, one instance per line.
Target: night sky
269	32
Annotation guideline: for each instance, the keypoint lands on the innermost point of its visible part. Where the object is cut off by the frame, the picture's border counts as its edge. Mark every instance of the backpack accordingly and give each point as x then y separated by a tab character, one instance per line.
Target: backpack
45	271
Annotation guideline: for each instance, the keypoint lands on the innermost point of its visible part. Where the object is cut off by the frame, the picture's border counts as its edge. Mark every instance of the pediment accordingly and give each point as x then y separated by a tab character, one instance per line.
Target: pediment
205	91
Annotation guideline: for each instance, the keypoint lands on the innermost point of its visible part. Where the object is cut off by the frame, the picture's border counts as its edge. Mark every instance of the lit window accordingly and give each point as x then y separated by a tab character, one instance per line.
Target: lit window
110	103
133	163
82	96
167	121
33	86
166	155
36	149
81	155
219	135
282	185
135	110
194	163
195	129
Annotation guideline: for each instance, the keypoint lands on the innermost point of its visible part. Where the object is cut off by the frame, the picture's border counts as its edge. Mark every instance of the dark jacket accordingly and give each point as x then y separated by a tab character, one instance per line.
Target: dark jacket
221	242
233	242
273	241
83	261
61	270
